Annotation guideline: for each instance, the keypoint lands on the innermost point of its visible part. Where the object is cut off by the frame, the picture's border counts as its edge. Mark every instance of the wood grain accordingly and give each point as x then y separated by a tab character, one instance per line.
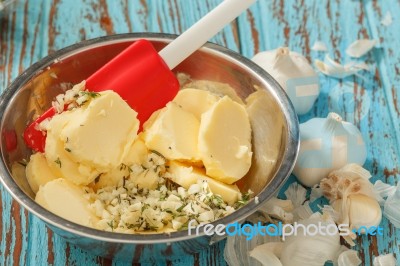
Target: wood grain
32	29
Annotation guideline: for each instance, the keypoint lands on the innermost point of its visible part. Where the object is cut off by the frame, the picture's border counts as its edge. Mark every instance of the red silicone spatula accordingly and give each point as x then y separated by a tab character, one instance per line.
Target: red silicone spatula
143	77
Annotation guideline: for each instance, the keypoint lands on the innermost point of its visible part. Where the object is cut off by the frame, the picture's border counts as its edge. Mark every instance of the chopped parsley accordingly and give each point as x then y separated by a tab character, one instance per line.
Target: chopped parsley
58	162
91	94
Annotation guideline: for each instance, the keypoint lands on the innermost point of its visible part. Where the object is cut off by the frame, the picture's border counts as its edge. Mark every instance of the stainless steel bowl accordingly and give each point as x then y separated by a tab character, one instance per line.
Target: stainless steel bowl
32	92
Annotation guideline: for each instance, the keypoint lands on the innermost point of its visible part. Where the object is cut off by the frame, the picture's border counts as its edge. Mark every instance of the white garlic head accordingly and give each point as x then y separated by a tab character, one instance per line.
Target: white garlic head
327	144
295	75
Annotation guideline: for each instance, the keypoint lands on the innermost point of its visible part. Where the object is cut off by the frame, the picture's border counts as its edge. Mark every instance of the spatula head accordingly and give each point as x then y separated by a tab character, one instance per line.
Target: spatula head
138	74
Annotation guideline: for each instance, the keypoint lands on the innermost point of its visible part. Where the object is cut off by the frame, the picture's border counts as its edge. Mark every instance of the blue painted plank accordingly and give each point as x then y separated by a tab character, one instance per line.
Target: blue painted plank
35	28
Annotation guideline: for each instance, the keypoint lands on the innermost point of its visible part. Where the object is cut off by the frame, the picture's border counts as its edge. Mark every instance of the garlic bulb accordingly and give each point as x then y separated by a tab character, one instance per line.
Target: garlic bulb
327	144
352	196
294	73
310	250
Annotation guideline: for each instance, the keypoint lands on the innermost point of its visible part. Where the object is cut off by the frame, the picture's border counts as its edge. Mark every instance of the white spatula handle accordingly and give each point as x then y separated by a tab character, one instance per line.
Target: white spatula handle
197	35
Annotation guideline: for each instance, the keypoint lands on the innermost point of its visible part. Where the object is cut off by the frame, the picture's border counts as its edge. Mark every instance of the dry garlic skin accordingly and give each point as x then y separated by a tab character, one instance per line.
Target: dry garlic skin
225	141
38	172
58	158
67	200
195	101
174	134
103	132
185	176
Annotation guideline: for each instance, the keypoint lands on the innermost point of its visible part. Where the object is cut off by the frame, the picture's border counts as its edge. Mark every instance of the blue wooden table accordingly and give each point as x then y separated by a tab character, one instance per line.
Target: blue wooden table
30	30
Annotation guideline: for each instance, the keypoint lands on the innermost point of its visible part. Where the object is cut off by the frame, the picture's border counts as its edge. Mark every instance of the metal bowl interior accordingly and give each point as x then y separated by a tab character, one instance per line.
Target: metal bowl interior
32	92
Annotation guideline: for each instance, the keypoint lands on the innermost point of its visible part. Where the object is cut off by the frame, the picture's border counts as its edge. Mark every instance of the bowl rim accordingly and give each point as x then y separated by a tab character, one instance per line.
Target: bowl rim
285	168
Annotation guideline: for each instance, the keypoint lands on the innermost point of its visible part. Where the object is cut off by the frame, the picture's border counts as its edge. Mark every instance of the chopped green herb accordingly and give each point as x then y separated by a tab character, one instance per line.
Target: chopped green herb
180	208
124	166
97	179
90	94
157	153
151	227
123	182
145	206
111	225
68	150
58	162
245	199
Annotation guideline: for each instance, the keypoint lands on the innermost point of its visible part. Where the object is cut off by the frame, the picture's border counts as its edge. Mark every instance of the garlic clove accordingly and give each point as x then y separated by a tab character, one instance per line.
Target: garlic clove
361	210
268	253
360	47
327	144
294	73
349	258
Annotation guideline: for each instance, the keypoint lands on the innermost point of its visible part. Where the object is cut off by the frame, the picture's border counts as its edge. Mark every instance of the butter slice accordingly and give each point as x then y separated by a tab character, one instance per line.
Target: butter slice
186	176
58	159
66	200
225	141
102	133
195	101
38	172
174	134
